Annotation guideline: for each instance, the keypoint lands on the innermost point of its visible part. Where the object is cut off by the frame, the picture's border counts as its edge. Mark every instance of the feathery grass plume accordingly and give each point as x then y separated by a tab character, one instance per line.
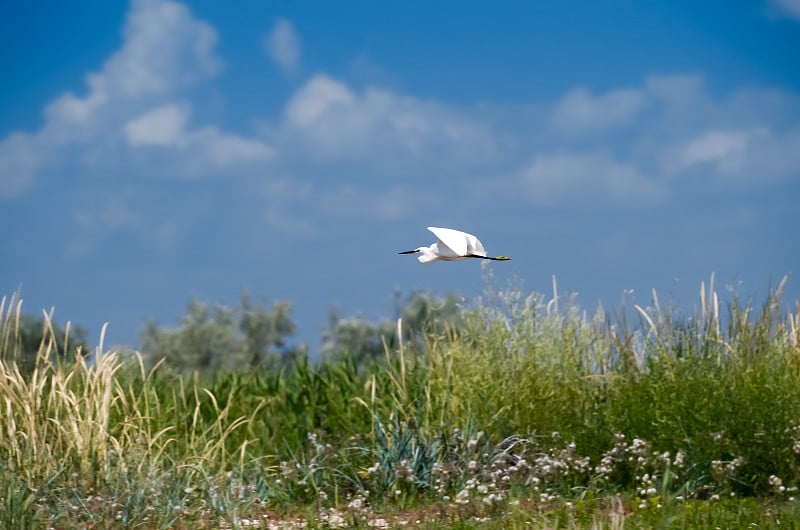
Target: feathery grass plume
10	311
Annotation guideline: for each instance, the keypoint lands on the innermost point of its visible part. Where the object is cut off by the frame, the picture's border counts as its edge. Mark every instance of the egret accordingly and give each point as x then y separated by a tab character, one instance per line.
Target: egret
452	245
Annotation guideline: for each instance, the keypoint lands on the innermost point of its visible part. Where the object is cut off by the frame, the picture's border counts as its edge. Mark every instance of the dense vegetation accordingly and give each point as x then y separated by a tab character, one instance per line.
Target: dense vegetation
516	412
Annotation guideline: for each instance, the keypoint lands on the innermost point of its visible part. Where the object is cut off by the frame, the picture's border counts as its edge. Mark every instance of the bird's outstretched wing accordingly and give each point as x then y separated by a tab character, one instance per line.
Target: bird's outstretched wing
455	240
474	246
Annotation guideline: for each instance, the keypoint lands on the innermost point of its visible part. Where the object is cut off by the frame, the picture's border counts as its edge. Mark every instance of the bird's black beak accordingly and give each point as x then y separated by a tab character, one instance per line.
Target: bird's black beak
409	252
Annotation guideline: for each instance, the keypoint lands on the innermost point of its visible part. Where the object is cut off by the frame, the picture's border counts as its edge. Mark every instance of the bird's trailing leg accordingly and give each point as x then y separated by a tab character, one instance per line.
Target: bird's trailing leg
493	258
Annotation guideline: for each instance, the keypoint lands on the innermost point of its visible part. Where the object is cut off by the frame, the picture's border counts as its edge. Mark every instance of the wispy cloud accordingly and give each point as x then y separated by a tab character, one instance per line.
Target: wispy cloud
790	8
724	150
329	120
21	157
191	152
283	46
162	126
284	204
595	177
749	136
581	111
757	156
670	126
93	226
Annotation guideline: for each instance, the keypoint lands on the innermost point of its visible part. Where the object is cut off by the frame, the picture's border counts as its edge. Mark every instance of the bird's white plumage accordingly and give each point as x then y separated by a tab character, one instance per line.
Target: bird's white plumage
460	243
452	245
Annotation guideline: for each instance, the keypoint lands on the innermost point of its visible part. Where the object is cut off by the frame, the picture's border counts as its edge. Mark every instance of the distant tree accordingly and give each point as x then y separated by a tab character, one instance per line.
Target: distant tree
53	342
209	339
356	337
422	314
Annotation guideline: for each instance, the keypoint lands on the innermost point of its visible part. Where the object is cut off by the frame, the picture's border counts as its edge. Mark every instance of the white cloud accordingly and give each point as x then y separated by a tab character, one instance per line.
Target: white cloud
283	46
165	51
563	177
676	89
754	156
581	111
748	135
20	160
196	152
790	8
136	110
70	110
221	150
317	97
774	157
161	126
725	150
331	121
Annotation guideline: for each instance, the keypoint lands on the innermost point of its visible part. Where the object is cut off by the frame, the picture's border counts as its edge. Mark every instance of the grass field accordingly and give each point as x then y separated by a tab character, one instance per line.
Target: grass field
533	414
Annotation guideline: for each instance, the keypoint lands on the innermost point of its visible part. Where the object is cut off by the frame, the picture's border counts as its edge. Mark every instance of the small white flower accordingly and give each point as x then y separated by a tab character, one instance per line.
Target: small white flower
462	497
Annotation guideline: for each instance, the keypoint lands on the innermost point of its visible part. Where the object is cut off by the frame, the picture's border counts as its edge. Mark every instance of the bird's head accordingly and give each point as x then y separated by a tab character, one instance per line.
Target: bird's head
426	254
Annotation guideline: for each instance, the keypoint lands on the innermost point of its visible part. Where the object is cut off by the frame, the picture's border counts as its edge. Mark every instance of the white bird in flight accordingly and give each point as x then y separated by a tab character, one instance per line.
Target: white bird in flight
452	245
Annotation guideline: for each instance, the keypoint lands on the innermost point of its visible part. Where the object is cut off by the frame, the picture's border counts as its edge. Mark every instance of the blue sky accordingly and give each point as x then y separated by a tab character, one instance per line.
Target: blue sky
153	151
